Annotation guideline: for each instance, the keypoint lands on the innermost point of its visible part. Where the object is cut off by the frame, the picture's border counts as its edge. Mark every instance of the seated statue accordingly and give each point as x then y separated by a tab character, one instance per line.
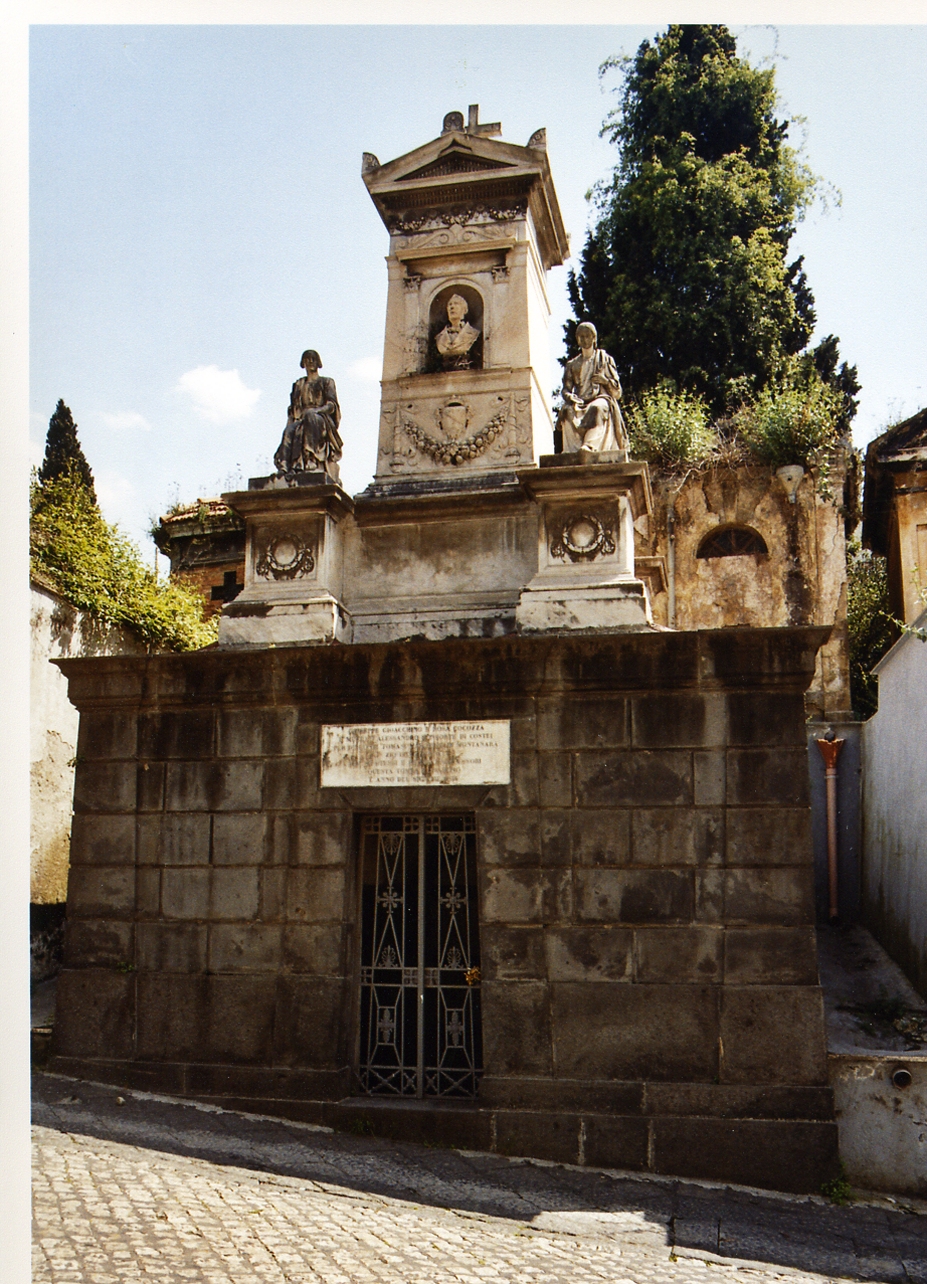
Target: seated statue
458	336
311	442
590	417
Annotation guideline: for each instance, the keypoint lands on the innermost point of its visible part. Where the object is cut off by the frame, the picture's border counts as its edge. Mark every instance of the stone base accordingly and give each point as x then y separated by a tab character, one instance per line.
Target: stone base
287	481
792	1148
318	620
434	625
580	458
595	610
649	982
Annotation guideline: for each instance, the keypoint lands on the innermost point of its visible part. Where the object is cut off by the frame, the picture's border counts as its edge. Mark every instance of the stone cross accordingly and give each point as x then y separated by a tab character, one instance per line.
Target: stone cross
228	590
454	122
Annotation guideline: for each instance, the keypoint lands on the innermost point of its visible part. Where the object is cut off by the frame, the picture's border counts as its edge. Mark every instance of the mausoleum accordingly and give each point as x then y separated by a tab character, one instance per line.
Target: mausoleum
447	835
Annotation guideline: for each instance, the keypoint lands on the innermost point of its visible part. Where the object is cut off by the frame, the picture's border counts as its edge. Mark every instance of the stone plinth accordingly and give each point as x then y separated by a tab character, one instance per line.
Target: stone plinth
548	549
649	990
586	576
294	565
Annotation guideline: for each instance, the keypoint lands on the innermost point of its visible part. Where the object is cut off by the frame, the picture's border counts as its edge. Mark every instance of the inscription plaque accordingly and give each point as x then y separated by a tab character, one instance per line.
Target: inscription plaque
416	753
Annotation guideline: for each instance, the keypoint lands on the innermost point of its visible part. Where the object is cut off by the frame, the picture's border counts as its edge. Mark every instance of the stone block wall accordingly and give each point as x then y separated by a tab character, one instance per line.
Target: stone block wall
57	630
801	579
650	993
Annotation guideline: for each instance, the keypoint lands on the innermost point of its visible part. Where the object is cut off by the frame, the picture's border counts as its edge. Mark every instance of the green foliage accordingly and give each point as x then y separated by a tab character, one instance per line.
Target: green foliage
794	419
842	379
838	1190
63	453
685	273
670	428
100	570
870	628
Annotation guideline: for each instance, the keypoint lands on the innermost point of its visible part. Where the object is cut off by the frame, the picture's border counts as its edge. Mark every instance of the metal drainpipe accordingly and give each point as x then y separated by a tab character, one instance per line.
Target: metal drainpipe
830	751
671	559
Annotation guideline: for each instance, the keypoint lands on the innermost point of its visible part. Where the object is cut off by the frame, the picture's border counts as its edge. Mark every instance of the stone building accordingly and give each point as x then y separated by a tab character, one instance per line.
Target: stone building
895	512
894	865
733	545
446	837
205	543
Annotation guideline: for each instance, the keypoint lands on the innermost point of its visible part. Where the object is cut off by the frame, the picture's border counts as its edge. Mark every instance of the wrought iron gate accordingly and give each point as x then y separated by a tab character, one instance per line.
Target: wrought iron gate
420	963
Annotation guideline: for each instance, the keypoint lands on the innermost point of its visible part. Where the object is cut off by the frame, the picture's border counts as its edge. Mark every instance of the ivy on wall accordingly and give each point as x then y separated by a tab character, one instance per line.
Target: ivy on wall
98	569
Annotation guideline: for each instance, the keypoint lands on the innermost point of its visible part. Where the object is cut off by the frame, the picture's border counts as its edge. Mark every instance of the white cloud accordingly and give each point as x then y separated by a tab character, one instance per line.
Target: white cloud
126	419
218	395
367	369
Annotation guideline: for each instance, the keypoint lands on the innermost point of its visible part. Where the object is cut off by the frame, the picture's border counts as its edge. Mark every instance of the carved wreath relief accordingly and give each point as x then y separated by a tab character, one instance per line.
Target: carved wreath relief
285	557
582	537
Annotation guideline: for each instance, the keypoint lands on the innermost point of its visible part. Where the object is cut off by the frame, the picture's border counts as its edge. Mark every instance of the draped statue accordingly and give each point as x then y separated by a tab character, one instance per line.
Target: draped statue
590	418
311	441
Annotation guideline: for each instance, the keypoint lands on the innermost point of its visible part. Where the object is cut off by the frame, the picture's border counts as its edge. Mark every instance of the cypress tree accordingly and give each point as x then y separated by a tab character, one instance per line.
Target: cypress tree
685	273
63	453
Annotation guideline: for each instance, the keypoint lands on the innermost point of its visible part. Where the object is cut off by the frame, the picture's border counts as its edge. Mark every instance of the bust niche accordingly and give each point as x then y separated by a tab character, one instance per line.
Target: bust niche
455	330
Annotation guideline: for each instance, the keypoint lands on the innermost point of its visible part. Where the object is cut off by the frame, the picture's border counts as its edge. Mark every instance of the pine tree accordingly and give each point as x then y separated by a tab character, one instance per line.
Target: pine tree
685	274
63	453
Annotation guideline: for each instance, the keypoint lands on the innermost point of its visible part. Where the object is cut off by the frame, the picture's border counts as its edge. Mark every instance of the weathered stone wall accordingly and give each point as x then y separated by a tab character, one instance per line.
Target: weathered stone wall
894	762
801	580
58	630
650	994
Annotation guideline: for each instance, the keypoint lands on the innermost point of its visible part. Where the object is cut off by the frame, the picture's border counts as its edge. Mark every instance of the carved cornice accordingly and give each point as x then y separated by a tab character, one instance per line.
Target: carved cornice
433	220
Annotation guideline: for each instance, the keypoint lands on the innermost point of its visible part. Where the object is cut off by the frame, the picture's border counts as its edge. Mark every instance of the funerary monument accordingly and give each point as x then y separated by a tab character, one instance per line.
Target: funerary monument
446	836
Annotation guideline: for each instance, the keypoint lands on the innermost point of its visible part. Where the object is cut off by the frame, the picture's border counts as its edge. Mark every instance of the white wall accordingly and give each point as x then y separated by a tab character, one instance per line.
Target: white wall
57	629
894	761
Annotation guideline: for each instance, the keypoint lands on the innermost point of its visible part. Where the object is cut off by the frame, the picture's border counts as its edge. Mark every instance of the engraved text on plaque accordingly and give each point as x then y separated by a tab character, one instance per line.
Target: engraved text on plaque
416	753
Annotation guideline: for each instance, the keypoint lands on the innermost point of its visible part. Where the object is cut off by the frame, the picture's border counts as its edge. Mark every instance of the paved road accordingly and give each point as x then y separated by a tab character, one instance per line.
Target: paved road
158	1190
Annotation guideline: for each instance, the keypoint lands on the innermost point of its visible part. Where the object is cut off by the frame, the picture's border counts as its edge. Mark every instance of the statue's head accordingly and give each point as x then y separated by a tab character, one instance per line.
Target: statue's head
457	309
586	335
310	360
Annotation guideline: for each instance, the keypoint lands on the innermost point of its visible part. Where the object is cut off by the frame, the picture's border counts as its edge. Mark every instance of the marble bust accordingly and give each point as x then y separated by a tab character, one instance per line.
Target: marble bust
458	336
590	418
311	441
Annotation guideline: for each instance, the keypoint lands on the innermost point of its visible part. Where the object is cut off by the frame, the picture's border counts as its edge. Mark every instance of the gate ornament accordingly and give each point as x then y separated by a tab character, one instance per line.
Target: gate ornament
420	993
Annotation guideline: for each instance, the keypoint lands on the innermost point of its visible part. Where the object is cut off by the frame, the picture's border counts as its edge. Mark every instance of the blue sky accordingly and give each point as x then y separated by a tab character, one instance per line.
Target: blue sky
198	218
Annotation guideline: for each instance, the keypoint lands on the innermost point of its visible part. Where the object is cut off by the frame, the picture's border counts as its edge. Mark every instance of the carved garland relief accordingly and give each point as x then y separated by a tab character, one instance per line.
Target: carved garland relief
285	557
453	421
472	234
430	221
582	537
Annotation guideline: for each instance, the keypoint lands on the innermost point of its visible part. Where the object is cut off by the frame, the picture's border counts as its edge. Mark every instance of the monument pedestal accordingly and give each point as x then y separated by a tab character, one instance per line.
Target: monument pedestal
294	565
586	577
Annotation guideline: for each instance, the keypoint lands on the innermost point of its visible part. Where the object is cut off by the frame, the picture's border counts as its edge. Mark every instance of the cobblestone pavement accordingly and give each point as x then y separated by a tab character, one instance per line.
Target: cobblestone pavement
132	1187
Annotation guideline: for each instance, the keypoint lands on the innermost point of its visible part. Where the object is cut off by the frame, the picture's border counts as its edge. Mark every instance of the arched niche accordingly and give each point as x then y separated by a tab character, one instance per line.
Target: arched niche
732	541
472	358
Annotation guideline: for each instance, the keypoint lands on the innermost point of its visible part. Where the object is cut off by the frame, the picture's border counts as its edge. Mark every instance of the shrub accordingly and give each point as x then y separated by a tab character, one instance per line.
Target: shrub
99	570
793	420
870	628
670	428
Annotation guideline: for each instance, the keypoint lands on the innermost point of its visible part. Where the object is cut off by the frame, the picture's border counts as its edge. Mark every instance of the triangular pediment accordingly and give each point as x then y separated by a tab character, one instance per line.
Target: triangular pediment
460	170
907	440
453	161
